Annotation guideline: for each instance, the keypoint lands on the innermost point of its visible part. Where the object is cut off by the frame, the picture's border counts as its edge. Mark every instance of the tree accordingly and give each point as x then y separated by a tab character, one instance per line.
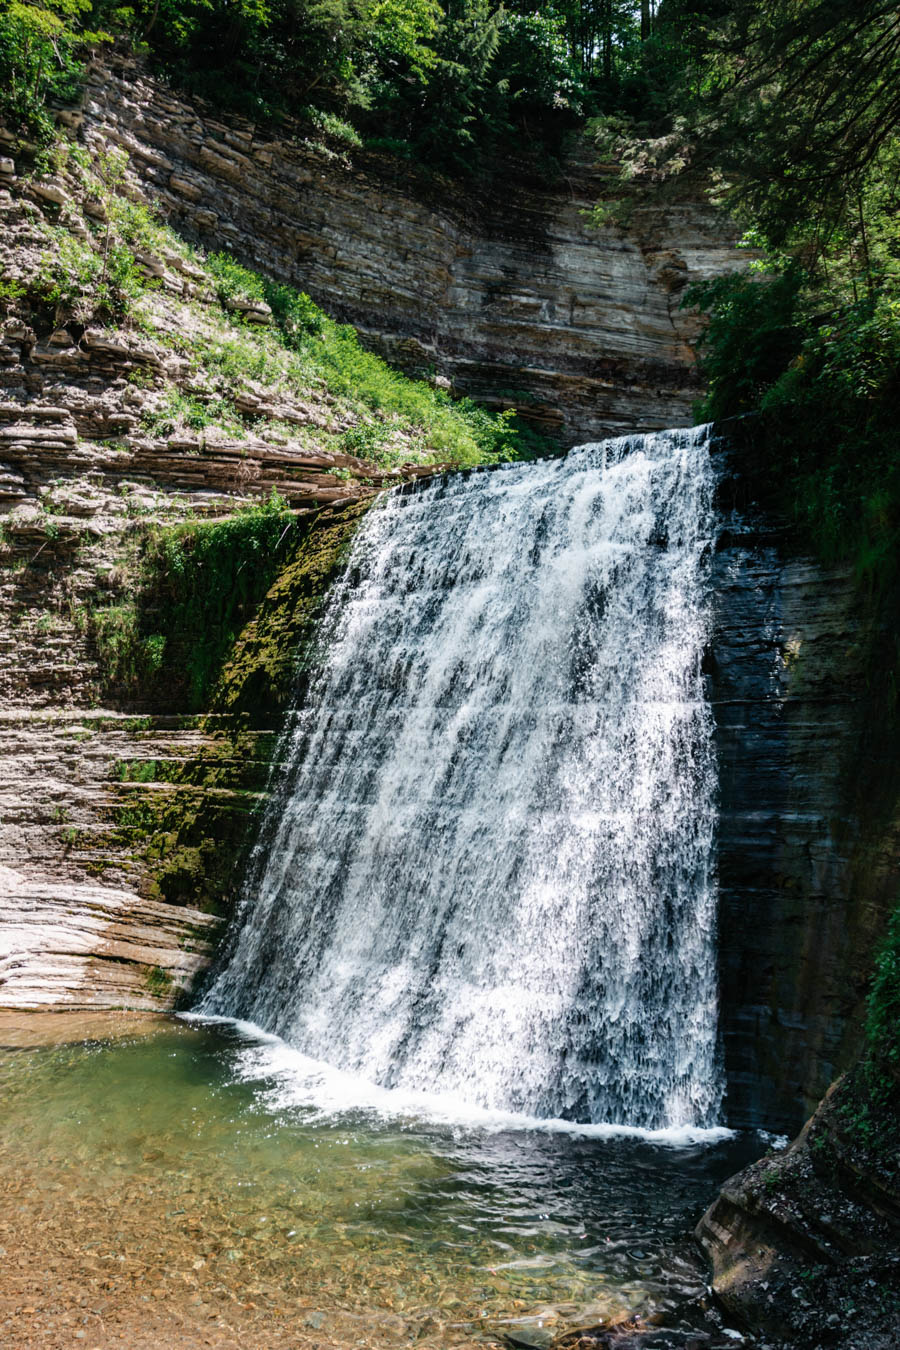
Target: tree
39	55
804	99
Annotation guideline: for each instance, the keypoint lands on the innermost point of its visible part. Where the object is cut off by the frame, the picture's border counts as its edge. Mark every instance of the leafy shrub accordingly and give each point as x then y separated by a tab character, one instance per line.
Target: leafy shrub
335	128
295	314
234	282
41	47
883	1027
826	386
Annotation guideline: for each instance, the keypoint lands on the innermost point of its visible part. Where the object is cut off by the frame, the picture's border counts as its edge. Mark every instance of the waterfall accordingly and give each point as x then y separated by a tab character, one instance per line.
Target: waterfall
489	869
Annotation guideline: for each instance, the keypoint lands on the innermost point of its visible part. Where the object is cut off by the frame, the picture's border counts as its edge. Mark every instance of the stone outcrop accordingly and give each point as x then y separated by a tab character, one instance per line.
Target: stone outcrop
809	830
124	815
506	292
83	945
805	1245
120	808
509	295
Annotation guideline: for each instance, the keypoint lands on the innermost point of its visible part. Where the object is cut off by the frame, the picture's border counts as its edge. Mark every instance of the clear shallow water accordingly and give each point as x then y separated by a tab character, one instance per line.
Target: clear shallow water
209	1158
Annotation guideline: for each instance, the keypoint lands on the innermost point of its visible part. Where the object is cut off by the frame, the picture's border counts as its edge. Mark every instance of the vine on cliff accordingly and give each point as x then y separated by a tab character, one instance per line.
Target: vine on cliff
198	584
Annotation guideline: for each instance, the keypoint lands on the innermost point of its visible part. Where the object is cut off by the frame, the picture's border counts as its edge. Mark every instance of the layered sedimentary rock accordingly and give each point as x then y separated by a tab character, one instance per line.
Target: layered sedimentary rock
123	812
81	944
809	830
805	1245
509	296
507	292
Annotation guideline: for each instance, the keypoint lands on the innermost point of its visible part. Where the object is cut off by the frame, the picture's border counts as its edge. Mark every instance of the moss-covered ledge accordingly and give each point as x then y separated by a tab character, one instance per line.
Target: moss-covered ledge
264	670
185	792
148	815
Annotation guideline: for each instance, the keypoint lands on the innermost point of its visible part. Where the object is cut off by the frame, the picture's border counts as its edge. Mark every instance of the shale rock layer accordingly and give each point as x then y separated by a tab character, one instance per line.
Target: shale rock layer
505	291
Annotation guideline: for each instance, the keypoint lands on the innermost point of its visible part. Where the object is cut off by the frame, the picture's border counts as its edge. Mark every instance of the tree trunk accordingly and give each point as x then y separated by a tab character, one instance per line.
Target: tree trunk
607	40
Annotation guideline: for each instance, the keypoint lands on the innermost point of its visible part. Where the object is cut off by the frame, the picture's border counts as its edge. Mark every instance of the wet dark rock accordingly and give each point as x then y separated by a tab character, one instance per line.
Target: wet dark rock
809	828
805	1245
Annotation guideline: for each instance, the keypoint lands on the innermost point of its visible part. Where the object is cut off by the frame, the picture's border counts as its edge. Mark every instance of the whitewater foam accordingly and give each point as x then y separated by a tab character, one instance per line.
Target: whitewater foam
488	872
289	1080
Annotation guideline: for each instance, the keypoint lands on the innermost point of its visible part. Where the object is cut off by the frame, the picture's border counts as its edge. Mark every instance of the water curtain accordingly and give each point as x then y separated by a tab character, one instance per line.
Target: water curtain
488	870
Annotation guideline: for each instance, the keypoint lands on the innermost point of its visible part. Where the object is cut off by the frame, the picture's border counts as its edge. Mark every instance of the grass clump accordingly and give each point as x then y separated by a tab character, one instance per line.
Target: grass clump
126	656
458	432
158	982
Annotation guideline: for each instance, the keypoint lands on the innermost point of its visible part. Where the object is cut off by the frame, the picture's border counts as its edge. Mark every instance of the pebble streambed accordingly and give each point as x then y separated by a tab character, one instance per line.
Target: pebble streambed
172	1160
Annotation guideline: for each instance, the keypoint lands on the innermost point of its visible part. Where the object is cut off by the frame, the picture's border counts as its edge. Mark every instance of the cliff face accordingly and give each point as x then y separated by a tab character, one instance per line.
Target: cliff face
124	805
515	300
509	294
125	819
809	832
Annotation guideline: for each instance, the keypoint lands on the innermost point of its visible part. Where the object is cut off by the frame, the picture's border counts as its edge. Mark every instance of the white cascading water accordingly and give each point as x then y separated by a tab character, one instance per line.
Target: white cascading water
488	871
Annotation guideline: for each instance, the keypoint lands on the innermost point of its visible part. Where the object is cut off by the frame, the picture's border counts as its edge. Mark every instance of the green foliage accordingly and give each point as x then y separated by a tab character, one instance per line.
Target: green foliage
126	657
801	102
826	386
201	583
10	290
158	982
453	84
297	317
198	584
868	1117
137	771
187	410
883	1027
86	280
335	128
233	282
753	337
41	51
458	431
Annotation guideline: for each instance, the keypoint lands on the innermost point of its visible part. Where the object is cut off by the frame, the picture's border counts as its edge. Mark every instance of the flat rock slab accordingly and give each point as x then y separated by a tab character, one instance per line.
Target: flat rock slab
31	1029
77	945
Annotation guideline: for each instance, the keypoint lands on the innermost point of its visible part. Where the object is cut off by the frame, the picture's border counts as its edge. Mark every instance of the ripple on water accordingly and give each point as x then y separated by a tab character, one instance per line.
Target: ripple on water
178	1153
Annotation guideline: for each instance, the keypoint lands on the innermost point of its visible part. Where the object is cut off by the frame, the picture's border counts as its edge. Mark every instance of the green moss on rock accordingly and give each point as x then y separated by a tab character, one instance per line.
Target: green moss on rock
261	674
187	822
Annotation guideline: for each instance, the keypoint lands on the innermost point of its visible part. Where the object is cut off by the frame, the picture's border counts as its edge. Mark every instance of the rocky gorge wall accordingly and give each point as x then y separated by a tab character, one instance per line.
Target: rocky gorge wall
124	802
809	827
109	807
505	291
120	820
